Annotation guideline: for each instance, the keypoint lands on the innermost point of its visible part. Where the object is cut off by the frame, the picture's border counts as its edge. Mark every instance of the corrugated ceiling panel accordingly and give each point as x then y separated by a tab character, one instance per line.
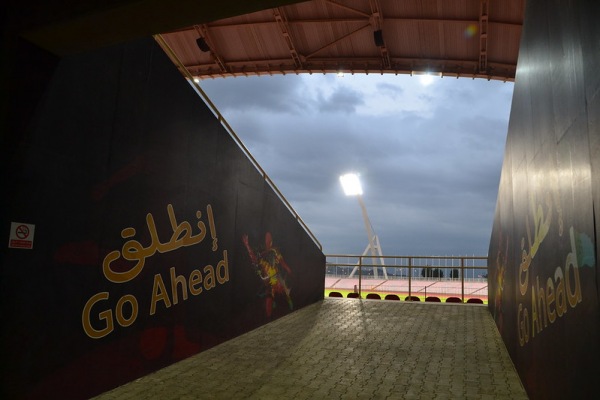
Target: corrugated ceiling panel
503	43
335	32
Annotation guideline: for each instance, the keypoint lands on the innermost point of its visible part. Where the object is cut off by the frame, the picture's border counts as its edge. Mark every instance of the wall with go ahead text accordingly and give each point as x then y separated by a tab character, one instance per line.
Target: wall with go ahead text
139	232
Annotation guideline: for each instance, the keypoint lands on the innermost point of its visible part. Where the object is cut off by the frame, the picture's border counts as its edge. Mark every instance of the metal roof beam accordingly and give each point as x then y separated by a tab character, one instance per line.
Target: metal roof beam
483	35
202	31
376	21
337	40
281	19
457	68
388	19
332	70
354	10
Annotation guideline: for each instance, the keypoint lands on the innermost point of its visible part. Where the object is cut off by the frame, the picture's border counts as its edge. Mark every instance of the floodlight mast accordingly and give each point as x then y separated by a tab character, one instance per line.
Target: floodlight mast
351	185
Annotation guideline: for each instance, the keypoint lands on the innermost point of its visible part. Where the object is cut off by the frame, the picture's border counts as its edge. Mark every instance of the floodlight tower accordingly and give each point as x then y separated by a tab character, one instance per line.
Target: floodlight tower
352	187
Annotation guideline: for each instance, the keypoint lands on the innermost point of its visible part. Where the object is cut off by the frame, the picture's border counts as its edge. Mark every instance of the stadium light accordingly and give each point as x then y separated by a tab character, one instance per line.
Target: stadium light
352	187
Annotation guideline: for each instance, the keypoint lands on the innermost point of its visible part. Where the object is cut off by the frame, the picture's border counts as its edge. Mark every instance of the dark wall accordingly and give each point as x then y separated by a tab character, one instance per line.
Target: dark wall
544	247
141	204
68	27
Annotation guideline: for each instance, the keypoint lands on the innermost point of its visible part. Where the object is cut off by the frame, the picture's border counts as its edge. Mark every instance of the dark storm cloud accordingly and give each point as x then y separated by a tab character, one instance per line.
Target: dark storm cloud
429	158
268	94
394	91
341	100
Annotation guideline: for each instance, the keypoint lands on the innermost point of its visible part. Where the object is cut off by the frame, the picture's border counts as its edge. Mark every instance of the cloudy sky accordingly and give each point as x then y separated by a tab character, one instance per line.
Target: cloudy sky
429	155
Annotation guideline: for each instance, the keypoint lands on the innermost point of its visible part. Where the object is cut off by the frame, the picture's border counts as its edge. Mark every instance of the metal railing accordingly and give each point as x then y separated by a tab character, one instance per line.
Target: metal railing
411	275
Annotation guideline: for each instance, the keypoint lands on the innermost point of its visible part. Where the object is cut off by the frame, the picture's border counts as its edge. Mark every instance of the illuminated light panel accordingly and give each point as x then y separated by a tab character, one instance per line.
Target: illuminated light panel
351	185
426	79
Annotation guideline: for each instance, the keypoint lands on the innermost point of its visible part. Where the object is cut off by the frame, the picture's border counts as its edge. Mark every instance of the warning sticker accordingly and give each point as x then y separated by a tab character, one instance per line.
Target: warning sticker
21	236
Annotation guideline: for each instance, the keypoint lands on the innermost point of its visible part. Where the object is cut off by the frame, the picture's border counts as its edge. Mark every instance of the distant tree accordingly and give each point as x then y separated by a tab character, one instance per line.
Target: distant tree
454	273
432	273
438	273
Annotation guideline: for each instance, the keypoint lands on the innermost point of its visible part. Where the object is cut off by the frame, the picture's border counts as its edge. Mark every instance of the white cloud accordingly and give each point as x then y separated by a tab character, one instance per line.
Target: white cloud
381	94
429	156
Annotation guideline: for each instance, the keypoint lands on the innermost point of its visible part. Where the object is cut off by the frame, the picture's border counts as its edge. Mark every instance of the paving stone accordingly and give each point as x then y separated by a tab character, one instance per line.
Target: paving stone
348	349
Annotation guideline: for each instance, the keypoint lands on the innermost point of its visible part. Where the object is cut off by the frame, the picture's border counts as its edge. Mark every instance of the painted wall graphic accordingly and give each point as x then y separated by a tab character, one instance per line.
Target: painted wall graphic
272	270
544	247
155	236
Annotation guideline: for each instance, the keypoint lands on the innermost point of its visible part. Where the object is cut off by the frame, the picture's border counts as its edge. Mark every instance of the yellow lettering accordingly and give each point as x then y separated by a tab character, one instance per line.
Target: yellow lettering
133	250
573	296
223	269
541	295
105	315
541	226
524	269
549	300
195	282
211	225
128	298
179	279
159	293
209	277
561	300
535	323
523	325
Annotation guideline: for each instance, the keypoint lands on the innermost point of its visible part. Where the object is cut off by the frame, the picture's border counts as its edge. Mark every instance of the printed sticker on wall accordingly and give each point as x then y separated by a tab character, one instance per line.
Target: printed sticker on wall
21	236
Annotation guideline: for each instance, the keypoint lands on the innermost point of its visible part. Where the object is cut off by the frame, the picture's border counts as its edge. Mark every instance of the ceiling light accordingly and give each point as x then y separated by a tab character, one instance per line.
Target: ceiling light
202	45
426	79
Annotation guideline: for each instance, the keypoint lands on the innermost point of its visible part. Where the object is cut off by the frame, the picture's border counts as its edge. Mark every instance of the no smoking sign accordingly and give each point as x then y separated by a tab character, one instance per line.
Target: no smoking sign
21	236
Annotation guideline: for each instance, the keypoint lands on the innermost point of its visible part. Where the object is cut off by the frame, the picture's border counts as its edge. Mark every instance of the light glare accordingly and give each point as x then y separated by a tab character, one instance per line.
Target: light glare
351	185
426	79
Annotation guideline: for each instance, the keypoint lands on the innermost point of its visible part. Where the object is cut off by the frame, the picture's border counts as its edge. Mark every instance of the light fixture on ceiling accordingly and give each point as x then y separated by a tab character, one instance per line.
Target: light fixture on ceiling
378	37
426	79
202	45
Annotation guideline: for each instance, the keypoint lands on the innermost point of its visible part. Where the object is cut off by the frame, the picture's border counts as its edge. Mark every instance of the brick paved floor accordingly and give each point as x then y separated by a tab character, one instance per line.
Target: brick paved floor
348	349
